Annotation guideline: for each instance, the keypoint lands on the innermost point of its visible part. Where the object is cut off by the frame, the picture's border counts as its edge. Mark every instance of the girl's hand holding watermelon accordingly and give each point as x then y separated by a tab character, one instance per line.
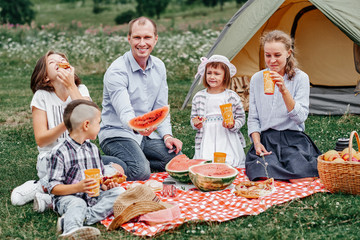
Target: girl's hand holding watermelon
198	121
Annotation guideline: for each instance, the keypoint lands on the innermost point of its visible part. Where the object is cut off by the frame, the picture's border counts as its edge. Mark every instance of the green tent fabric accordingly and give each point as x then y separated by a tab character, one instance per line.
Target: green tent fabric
344	14
325	32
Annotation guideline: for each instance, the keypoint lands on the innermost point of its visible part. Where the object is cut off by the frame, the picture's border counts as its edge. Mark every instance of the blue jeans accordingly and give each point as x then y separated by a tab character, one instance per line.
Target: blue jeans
137	160
77	213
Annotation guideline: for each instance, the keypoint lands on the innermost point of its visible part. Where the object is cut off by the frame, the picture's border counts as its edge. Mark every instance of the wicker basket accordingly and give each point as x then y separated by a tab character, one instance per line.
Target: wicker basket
341	177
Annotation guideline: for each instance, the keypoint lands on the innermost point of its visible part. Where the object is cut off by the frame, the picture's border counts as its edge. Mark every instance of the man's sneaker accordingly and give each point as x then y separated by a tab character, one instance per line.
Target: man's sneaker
60	224
81	233
25	192
42	201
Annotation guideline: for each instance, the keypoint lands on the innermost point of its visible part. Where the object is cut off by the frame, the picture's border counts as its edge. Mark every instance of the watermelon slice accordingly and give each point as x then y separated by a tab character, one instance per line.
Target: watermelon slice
178	167
212	176
150	119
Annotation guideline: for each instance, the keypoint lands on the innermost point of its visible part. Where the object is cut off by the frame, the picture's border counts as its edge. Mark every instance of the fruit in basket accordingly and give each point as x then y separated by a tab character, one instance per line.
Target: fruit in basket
346	151
357	156
346	157
331	155
338	160
178	167
212	176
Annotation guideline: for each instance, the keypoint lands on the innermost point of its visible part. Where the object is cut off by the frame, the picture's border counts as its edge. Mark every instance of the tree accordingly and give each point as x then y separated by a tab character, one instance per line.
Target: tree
213	3
16	12
210	3
125	17
240	2
97	6
151	8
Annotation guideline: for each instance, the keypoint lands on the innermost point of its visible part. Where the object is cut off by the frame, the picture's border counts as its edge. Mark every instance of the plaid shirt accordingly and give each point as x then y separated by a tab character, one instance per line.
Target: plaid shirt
199	109
67	163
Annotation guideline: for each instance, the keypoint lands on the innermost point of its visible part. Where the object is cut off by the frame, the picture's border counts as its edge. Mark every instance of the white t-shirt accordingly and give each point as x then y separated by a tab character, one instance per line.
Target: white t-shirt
54	108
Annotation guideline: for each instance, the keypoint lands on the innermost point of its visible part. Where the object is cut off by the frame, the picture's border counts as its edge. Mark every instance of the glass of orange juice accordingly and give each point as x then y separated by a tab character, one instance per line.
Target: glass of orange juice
219	157
226	112
94	173
269	84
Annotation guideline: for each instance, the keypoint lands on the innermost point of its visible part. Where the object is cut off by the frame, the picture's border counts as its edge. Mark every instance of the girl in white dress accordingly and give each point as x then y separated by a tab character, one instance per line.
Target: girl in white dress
213	134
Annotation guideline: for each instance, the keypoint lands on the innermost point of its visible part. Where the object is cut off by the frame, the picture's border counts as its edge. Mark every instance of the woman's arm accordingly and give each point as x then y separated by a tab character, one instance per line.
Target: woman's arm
43	135
286	95
259	148
297	104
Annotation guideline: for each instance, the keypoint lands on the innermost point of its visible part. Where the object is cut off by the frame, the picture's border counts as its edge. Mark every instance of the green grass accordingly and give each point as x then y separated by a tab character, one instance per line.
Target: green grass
320	216
176	16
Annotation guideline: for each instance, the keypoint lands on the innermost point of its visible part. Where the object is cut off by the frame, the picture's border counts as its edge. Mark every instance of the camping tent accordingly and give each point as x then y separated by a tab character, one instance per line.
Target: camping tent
327	38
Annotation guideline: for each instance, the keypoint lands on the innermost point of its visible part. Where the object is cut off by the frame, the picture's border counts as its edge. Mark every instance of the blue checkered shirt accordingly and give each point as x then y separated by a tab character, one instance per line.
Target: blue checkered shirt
67	163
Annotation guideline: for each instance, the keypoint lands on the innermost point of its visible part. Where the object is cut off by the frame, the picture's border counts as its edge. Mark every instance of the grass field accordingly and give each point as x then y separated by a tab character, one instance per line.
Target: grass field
320	216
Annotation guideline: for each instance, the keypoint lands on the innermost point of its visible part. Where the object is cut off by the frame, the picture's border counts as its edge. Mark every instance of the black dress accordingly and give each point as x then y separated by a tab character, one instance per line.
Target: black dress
294	155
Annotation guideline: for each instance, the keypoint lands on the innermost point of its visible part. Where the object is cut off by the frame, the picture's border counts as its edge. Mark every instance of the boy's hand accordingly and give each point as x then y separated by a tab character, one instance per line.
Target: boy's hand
86	185
109	186
109	182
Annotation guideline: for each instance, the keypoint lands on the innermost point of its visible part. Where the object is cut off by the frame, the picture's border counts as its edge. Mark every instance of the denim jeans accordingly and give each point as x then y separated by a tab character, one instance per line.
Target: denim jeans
137	160
77	213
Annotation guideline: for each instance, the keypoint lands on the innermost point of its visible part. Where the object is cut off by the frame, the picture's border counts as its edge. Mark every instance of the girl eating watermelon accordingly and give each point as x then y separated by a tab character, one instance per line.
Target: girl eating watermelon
213	133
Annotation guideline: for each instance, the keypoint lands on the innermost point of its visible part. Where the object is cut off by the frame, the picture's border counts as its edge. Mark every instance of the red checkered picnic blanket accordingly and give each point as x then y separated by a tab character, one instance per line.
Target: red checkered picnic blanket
219	206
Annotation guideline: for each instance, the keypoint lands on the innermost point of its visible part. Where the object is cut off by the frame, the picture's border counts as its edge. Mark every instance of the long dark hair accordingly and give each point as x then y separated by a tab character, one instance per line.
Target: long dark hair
40	73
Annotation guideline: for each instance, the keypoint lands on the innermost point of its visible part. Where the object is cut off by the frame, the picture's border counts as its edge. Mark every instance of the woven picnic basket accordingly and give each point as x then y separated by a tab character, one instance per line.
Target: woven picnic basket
341	177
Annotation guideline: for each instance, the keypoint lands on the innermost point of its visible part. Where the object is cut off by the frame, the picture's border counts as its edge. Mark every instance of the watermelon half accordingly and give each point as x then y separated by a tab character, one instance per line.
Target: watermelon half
212	176
178	167
150	119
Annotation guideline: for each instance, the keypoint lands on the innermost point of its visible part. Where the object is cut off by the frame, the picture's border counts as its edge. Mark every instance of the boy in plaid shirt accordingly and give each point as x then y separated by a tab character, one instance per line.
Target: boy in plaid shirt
70	190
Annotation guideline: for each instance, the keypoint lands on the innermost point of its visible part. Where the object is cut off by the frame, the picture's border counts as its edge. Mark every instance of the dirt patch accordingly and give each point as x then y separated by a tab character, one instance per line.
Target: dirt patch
15	118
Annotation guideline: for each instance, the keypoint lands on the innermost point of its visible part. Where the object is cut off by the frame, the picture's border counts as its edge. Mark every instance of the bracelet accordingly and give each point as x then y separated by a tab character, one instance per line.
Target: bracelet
167	138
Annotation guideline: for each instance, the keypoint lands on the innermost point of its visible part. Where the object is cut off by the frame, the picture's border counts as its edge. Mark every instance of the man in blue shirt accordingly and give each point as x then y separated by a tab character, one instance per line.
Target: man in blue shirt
135	84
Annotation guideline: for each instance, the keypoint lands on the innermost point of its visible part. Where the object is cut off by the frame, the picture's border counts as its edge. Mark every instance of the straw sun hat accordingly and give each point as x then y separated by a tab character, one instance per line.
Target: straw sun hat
135	202
215	58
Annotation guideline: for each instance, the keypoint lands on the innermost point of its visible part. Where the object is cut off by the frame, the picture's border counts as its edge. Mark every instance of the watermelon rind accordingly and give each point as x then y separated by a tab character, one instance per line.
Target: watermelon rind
183	175
158	121
210	183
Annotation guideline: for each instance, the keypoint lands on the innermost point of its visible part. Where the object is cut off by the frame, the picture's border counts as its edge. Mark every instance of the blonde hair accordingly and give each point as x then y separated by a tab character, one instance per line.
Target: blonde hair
142	21
280	36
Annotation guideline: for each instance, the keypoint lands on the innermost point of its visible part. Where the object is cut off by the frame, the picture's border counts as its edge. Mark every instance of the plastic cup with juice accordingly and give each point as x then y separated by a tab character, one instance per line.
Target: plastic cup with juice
94	173
219	157
269	84
226	112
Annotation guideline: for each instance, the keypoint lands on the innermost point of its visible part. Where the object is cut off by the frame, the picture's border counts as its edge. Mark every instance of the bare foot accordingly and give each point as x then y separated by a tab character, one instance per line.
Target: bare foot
303	180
